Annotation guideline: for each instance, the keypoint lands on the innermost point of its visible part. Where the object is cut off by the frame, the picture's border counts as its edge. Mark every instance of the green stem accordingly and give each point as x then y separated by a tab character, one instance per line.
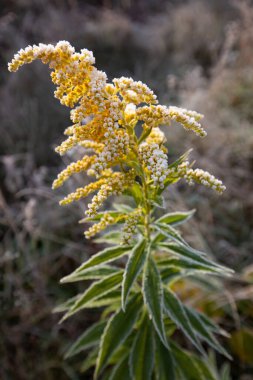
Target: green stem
147	210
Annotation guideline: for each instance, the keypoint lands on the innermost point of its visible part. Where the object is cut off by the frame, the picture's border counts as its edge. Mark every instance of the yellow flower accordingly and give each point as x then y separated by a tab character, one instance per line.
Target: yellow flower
104	116
75	167
105	221
130	114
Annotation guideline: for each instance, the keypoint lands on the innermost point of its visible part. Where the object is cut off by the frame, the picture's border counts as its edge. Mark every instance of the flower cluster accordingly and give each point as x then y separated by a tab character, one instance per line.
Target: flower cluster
116	147
114	185
104	222
153	116
189	119
130	225
104	117
83	192
200	176
134	92
156	136
155	161
74	167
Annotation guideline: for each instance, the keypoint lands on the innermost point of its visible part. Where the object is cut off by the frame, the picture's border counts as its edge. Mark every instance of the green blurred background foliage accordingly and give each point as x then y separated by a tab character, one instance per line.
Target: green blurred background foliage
195	54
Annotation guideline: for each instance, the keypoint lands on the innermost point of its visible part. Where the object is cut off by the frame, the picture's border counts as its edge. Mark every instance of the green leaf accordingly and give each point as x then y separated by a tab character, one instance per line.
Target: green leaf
90	360
137	192
169	274
175	218
112	237
105	256
211	325
153	297
206	370
88	339
90	273
158	202
164	362
122	208
185	264
121	370
175	310
144	134
112	297
170	180
180	159
225	372
136	167
186	365
67	304
122	351
117	330
96	290
141	357
169	232
193	255
133	268
203	331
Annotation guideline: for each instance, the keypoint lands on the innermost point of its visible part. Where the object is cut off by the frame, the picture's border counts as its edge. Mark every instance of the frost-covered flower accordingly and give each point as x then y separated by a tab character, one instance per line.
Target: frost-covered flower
184	170
105	221
155	161
104	117
130	225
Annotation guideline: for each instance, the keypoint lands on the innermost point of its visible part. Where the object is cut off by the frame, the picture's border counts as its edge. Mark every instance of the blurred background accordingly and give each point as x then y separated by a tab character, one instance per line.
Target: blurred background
195	54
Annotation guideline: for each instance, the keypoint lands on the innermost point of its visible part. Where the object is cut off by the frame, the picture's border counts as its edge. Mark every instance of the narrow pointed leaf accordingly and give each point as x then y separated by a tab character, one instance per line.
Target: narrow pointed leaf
211	325
112	237
158	202
169	274
204	366
194	256
186	365
169	180
185	264
136	192
122	207
134	266
144	134
90	274
203	331
88	339
153	297
105	256
90	360
175	310
169	232
67	304
116	331
121	351
141	357
164	362
121	370
175	218
97	289
190	366
112	297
